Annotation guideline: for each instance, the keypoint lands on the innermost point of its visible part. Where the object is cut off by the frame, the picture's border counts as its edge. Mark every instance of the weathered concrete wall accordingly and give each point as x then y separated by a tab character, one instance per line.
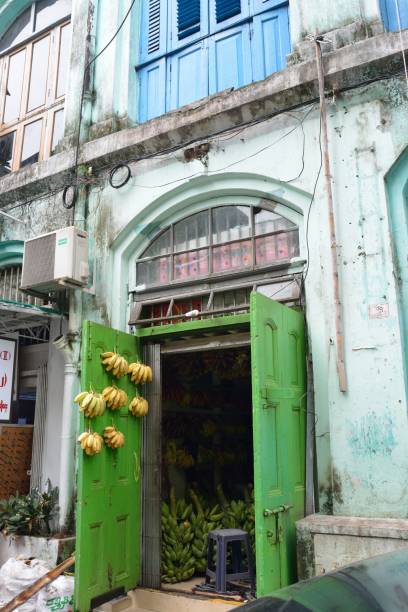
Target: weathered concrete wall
327	543
362	457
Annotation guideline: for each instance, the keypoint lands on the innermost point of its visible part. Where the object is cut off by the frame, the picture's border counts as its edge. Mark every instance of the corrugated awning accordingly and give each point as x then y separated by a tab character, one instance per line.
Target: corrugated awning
15	316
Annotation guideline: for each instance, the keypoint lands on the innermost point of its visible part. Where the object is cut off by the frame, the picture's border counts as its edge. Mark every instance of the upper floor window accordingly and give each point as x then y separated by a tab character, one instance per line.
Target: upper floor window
193	48
395	14
217	241
34	54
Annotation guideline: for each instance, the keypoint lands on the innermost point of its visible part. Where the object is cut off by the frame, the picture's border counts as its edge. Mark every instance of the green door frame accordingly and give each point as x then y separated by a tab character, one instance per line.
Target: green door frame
265	584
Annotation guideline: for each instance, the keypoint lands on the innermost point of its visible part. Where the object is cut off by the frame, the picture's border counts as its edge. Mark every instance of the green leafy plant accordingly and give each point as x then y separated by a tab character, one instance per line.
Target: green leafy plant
30	514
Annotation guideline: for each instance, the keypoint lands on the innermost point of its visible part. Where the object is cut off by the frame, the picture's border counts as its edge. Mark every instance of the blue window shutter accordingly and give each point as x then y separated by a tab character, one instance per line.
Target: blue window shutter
152	94
188	21
188	75
230	59
227	13
391	10
225	9
270	42
153	36
188	18
260	6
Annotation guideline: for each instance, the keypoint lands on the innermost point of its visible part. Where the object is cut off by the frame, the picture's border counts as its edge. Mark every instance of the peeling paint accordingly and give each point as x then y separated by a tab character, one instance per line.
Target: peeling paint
372	435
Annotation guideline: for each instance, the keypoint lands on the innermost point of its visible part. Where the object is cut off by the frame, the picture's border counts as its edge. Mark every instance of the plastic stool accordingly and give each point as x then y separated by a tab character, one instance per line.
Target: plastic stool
223	537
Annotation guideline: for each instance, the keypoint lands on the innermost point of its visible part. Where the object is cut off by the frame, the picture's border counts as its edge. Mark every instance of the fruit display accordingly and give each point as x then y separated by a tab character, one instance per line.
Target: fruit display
115	398
90	403
203	521
140	373
91	442
113	438
178	562
180	457
115	363
139	407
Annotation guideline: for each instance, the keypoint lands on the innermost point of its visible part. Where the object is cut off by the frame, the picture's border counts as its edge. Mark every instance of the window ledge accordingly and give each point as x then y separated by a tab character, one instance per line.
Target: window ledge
346	68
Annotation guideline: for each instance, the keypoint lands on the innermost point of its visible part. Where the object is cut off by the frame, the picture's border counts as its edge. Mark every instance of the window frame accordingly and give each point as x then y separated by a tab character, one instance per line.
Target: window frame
52	103
211	245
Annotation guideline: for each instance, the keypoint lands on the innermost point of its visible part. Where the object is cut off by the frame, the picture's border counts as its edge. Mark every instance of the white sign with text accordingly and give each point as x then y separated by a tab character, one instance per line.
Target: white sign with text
7	350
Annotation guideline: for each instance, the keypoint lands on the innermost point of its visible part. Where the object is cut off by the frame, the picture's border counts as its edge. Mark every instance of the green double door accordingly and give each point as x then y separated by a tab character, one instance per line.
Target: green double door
109	485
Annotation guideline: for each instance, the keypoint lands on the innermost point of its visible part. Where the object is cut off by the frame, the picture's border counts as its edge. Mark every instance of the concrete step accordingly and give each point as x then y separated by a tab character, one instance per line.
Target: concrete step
149	600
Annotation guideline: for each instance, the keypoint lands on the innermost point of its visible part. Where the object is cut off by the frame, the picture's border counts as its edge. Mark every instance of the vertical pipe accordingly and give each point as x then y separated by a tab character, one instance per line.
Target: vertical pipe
340	361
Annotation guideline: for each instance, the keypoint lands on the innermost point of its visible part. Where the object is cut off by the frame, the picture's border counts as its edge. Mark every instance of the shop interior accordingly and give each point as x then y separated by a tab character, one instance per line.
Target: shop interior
207	455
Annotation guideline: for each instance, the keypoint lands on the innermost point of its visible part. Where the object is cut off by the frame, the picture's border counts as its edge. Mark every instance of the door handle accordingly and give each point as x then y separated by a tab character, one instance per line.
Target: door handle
275	511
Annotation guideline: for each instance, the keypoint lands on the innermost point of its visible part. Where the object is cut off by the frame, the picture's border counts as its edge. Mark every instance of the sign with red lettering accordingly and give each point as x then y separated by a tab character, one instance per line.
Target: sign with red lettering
7	353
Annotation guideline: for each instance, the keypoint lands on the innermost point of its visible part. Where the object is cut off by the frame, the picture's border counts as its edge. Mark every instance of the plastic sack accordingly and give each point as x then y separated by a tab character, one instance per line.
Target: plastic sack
18	574
59	595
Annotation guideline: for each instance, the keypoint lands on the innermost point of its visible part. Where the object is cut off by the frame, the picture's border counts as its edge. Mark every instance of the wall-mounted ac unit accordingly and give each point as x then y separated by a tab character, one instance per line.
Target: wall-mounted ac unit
52	262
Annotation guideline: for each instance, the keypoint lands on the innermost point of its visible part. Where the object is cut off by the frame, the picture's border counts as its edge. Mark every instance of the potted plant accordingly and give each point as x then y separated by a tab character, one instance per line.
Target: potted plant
26	527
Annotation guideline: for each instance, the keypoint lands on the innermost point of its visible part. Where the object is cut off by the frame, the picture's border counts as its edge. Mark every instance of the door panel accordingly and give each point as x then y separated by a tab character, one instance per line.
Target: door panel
188	77
230	59
271	42
108	487
278	390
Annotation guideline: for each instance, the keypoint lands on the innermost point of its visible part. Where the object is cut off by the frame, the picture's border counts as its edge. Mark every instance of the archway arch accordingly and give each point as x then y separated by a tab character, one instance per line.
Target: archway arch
188	198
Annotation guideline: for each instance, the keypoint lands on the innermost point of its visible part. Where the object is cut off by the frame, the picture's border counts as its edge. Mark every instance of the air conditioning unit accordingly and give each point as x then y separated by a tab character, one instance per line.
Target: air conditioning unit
52	262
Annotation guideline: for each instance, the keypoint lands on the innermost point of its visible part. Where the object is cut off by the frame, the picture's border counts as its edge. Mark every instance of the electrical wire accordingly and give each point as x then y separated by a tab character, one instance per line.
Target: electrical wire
87	67
311	202
85	181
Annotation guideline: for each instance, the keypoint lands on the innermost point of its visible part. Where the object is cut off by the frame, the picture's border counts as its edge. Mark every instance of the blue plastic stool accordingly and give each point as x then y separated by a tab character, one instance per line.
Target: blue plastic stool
222	538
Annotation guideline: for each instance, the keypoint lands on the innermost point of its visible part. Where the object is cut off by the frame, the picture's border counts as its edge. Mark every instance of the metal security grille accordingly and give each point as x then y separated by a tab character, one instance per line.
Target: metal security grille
225	9
10	283
39	257
154	26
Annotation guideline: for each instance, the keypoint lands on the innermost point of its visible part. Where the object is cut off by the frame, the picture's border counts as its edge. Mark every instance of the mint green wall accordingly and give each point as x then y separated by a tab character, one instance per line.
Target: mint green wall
397	190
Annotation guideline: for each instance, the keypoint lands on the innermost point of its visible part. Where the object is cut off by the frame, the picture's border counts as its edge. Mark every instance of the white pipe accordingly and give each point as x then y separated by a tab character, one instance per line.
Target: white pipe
68	429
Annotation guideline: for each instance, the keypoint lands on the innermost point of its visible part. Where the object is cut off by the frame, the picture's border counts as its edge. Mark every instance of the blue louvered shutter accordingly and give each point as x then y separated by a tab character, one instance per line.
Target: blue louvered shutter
270	42
227	13
260	6
152	61
188	22
394	14
153	39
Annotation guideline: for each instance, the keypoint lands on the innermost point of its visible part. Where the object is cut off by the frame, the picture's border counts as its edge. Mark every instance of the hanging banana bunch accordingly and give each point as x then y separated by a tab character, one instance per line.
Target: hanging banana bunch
139	407
115	398
113	438
140	373
90	403
91	442
115	363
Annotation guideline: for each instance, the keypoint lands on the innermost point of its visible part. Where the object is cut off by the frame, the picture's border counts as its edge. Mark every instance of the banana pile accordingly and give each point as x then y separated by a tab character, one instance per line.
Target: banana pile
90	442
90	403
178	561
115	398
115	363
140	373
139	407
203	521
113	438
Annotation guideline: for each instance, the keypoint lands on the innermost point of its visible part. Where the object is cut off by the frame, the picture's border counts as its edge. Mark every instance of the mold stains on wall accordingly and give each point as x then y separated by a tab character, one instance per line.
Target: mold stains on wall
373	435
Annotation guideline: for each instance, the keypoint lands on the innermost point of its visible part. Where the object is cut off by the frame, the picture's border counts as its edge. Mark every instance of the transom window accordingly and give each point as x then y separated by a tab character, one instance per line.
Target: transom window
218	241
34	55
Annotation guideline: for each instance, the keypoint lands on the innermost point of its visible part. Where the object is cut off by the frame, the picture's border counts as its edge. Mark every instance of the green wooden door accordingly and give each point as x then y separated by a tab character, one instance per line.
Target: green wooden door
108	488
279	417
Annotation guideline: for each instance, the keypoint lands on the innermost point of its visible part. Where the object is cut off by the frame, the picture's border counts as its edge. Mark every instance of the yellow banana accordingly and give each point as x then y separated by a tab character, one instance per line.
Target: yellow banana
80	397
107	354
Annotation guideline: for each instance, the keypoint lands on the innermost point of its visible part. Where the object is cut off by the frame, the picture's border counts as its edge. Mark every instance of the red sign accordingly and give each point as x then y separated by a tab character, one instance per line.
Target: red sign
7	350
